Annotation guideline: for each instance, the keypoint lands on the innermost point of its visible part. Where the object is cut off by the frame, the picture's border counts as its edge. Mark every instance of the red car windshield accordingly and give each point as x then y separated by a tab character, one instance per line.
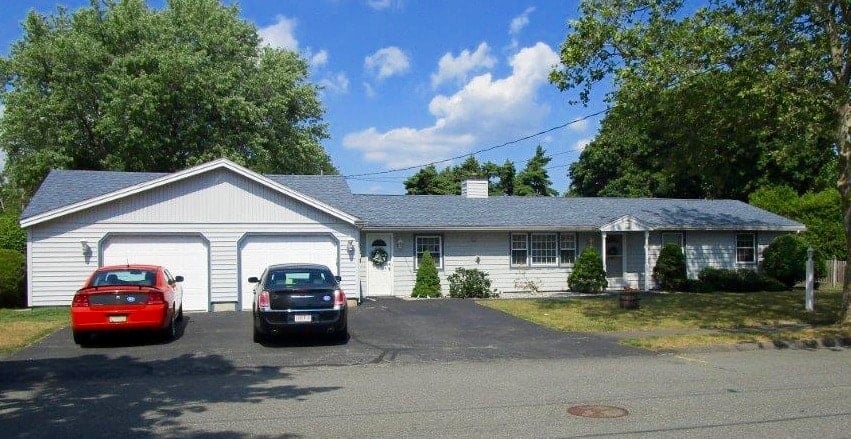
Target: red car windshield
124	276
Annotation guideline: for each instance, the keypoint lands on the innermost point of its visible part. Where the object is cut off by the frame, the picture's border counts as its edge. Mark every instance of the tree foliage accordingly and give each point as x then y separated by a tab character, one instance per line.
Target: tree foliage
502	179
794	55
121	86
534	180
785	259
821	212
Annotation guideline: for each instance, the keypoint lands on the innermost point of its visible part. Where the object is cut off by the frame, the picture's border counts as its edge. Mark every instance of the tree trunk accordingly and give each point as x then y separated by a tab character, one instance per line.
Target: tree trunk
844	186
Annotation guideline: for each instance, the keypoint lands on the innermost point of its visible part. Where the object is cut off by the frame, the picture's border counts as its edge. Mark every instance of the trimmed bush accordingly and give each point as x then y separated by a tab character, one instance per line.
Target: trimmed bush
735	281
785	259
588	275
670	270
469	283
428	282
13	272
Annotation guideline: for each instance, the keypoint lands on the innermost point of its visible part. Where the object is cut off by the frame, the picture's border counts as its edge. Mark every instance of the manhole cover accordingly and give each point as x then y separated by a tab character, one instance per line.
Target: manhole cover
597	411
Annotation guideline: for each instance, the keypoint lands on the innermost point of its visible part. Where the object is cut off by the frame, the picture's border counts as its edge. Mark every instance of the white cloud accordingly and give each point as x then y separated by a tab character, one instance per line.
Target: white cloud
319	59
485	110
338	83
387	62
519	22
369	90
452	68
281	34
379	4
579	126
580	144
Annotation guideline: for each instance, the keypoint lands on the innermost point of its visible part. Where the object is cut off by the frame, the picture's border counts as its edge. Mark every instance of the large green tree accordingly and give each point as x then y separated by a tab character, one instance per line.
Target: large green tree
121	86
534	180
800	50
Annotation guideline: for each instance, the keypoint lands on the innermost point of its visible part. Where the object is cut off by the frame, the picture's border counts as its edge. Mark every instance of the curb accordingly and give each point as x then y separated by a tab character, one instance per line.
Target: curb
833	343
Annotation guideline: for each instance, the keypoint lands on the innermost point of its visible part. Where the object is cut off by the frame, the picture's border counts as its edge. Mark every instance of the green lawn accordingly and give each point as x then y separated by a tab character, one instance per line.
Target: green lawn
678	320
20	328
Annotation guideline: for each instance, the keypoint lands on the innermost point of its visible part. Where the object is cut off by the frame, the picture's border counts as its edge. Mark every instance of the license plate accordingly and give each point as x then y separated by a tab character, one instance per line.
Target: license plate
117	319
302	318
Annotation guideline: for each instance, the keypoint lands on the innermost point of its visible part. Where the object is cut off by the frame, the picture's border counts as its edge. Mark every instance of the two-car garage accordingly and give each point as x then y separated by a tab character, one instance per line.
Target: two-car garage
189	256
216	225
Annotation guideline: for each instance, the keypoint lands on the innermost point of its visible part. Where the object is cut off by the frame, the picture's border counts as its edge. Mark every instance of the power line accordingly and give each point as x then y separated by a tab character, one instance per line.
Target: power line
490	148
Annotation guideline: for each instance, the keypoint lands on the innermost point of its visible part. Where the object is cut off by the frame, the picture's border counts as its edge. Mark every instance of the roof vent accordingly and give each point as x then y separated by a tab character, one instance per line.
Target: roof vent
474	188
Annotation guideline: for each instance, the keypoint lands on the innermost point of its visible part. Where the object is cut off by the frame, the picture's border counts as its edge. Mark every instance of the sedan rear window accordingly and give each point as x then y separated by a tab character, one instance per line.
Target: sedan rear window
145	278
300	278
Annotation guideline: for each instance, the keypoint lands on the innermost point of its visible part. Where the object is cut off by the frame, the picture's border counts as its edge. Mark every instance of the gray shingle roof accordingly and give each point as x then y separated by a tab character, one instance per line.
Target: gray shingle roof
434	212
431	212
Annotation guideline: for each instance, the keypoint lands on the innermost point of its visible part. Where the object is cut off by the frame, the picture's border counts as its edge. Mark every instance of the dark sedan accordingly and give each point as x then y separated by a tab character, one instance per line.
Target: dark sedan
299	298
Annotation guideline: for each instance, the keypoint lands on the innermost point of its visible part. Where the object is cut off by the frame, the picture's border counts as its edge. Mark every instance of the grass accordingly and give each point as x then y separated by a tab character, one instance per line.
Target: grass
20	328
682	320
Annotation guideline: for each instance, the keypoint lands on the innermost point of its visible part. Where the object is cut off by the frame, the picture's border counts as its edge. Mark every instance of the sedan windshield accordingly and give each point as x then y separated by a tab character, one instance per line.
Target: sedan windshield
300	278
146	278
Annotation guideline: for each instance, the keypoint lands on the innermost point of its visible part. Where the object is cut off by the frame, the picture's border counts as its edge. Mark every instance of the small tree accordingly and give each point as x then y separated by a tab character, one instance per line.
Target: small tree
469	283
785	259
428	282
588	275
670	269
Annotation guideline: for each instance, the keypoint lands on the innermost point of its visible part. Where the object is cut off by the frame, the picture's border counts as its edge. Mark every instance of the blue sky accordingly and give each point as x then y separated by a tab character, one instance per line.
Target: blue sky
410	82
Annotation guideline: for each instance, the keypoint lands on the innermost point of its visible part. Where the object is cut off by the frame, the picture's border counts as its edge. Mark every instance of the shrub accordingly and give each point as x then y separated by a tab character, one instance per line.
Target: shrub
469	283
670	269
13	273
12	236
428	282
786	260
736	281
588	275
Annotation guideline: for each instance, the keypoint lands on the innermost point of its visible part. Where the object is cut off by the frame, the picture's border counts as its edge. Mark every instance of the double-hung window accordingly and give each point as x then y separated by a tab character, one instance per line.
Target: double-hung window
519	249
745	248
567	248
543	249
429	244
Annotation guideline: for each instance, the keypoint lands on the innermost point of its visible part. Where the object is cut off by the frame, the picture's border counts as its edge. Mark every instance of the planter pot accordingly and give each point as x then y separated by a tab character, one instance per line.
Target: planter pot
629	300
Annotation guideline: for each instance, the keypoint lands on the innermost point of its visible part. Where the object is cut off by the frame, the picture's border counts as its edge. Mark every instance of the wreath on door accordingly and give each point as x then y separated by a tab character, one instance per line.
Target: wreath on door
378	256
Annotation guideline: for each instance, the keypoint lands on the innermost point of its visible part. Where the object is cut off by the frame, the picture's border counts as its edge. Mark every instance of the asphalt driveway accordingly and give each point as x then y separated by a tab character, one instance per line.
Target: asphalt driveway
386	330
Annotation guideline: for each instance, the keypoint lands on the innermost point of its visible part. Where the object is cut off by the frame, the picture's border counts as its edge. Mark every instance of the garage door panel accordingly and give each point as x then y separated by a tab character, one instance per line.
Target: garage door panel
186	256
258	252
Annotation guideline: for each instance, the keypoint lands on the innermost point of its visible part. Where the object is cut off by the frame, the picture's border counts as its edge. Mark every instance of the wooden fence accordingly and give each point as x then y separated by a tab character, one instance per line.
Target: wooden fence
835	275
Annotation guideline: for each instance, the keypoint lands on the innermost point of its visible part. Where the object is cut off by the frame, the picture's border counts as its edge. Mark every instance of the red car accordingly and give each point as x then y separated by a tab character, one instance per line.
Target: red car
127	297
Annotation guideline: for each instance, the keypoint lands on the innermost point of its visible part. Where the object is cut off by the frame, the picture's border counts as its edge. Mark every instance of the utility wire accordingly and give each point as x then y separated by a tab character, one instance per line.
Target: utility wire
490	148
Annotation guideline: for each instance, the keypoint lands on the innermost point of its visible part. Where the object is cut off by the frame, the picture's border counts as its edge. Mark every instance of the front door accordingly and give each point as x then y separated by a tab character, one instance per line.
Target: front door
379	264
614	255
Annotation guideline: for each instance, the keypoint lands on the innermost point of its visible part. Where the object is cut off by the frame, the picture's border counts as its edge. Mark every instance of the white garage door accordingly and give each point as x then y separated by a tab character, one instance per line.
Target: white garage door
258	252
186	256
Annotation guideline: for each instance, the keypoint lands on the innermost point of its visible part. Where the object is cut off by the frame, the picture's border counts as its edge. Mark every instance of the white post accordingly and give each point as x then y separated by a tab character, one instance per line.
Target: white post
603	252
646	260
809	299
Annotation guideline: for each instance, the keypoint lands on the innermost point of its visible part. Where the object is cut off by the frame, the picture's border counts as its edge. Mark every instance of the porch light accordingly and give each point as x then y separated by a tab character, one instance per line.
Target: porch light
351	246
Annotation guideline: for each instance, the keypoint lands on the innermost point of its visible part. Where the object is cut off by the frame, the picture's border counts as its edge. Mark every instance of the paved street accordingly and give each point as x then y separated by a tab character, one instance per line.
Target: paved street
370	388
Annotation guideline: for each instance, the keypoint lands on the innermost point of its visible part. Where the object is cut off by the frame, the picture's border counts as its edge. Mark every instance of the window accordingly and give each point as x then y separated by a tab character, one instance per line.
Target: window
544	249
519	249
745	248
567	248
430	244
672	238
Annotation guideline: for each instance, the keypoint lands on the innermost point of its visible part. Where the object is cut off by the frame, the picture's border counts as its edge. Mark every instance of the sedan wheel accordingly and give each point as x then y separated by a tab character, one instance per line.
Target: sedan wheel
81	338
170	332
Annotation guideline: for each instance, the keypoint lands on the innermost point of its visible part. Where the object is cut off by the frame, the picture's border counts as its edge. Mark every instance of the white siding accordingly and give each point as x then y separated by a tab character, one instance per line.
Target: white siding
220	206
460	249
